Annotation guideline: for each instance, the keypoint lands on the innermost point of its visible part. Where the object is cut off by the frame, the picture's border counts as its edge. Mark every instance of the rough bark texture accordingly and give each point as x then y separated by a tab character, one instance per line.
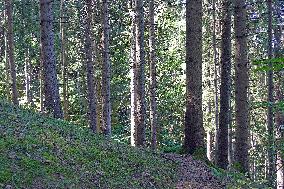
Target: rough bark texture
88	50
241	86
10	38
138	68
106	104
194	131
225	89
63	60
153	79
270	124
48	57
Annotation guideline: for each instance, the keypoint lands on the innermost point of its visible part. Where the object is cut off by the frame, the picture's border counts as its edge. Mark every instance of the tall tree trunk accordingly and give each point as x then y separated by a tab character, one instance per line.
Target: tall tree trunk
153	79
194	131
215	61
279	117
225	89
10	38
90	65
241	86
106	114
139	108
132	75
49	61
270	126
63	59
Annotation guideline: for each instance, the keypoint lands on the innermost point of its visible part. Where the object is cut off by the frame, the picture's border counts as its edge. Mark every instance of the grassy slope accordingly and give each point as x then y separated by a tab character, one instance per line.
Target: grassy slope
40	152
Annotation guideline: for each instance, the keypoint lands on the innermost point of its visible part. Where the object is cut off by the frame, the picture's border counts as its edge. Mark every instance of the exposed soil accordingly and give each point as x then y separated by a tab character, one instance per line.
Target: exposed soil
194	174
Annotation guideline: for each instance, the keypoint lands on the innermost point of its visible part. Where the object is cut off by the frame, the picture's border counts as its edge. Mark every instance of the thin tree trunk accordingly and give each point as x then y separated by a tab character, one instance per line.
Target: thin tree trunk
270	124
225	89
153	79
63	59
133	76
215	61
241	86
91	87
279	117
28	78
194	131
52	97
10	38
106	110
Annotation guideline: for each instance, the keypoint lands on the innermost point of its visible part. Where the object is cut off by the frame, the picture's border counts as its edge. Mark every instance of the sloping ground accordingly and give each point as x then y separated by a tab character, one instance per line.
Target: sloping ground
40	152
194	174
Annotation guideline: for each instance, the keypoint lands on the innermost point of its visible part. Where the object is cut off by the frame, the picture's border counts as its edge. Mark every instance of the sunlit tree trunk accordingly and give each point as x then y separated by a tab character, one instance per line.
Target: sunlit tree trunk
241	86
10	38
194	131
106	110
225	89
132	75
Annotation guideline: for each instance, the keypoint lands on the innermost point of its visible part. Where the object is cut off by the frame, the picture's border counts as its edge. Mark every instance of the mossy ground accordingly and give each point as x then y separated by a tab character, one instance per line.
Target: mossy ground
41	152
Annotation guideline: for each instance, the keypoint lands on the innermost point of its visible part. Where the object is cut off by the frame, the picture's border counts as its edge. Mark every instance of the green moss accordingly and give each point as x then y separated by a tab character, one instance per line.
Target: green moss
56	154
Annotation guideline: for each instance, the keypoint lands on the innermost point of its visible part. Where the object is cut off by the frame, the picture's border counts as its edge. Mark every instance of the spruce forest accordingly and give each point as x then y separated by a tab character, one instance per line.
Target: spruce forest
142	94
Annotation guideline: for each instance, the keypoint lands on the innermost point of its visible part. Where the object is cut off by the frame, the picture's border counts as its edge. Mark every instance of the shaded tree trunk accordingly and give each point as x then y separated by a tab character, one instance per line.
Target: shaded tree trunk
52	97
139	108
241	86
106	104
10	38
270	126
279	116
194	131
63	59
153	79
225	89
88	50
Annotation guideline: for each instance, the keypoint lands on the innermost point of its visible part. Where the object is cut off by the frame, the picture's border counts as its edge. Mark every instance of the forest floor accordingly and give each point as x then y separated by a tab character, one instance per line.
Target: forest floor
41	152
194	174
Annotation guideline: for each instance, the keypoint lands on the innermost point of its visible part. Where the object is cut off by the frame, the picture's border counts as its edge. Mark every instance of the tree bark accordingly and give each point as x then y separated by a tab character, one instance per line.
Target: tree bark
132	75
153	79
63	60
225	89
279	116
139	107
10	38
194	131
88	50
52	97
106	103
270	124
241	86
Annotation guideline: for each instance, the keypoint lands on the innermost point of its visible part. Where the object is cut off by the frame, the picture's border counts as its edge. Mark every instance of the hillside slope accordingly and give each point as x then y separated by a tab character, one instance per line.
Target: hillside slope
40	152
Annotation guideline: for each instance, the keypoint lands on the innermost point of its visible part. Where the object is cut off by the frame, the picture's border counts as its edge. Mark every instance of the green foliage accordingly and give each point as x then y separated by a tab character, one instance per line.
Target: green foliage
37	151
